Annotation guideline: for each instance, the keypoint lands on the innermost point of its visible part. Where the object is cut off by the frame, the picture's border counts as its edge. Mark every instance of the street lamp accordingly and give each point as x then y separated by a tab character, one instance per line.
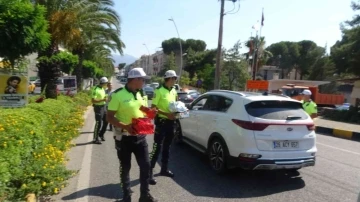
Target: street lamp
147	64
181	54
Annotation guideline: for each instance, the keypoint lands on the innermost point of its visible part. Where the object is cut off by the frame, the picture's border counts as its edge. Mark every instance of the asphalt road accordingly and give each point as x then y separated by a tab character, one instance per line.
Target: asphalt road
336	176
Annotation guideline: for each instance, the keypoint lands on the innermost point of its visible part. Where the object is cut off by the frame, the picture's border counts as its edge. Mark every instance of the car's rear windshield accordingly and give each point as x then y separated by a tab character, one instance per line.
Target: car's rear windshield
276	110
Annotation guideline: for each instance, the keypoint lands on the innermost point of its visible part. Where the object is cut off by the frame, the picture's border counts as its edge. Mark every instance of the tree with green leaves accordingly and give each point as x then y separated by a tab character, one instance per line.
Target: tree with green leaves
185	80
207	75
346	52
172	45
68	61
79	26
234	71
169	65
257	51
285	55
91	70
121	66
196	61
309	54
23	29
302	56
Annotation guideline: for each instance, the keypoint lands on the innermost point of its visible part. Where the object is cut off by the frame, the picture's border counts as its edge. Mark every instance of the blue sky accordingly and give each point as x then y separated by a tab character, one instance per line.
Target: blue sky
146	21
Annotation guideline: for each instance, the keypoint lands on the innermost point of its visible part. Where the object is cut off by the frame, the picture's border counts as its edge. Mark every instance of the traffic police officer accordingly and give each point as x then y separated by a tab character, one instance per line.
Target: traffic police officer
125	105
109	91
165	122
309	106
99	98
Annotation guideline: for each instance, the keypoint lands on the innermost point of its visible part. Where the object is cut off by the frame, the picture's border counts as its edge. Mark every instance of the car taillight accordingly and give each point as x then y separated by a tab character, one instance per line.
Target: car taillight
261	126
310	127
250	125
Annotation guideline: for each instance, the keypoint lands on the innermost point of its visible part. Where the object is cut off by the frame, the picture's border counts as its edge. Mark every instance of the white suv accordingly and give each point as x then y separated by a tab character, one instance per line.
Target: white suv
250	130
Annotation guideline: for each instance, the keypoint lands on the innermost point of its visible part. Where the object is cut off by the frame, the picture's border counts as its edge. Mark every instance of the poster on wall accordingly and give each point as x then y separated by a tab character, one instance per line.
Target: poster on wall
13	90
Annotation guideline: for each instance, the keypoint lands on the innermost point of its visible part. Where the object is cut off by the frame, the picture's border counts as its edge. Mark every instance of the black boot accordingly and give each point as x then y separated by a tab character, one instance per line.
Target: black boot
166	172
147	198
152	181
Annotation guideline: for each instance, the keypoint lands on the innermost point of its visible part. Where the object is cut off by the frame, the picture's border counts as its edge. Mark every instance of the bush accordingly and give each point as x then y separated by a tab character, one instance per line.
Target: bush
33	142
352	115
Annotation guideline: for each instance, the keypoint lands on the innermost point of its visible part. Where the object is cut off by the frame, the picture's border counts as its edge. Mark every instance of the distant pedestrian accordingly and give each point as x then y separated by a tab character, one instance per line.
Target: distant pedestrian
99	99
309	106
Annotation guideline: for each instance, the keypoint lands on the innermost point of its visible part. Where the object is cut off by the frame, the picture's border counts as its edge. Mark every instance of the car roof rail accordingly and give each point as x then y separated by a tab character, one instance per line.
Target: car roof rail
228	91
275	94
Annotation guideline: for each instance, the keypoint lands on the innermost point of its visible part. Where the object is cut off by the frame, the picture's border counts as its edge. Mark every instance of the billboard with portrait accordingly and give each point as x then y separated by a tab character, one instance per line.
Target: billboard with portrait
13	90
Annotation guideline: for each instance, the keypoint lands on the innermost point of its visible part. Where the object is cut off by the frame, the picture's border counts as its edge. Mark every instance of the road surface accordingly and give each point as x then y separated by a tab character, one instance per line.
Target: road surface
336	176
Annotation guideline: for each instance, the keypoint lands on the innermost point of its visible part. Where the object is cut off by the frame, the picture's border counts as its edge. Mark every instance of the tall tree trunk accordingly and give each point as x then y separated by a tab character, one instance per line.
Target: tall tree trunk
79	68
49	72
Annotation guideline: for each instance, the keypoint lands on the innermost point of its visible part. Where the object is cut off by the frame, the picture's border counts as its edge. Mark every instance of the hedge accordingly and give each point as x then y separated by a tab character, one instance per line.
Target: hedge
33	143
352	115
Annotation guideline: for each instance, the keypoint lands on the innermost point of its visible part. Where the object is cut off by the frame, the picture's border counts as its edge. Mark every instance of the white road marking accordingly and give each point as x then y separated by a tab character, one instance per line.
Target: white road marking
344	150
84	174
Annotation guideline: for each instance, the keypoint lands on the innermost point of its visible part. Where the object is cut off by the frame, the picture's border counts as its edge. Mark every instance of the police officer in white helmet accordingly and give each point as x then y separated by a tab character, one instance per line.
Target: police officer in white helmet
99	98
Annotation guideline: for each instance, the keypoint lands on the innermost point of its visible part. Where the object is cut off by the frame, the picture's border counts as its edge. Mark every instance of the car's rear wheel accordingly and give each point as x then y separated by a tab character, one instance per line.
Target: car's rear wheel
218	154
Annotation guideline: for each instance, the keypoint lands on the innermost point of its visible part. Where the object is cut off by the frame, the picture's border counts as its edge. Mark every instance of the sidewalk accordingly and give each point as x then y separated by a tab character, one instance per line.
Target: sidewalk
338	129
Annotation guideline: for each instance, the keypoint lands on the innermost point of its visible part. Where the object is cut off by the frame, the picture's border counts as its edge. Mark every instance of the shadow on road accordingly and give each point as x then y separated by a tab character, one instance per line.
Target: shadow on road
83	144
86	132
109	191
193	173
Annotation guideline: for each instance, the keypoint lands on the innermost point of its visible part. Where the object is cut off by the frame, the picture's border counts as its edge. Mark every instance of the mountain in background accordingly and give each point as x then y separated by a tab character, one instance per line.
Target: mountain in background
128	59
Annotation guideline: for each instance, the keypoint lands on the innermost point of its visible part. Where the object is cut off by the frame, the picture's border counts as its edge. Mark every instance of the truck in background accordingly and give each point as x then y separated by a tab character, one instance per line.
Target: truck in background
294	88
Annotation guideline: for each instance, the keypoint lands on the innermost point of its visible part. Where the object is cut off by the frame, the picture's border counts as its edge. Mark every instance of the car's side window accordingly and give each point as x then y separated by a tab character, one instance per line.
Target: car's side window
225	104
217	103
199	105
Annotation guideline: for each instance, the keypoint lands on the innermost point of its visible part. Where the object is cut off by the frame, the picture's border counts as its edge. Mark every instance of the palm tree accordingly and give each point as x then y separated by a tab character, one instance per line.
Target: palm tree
101	56
98	25
75	24
261	54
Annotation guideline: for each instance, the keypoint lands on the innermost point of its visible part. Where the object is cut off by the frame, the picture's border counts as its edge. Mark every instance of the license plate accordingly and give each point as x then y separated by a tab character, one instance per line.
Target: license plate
285	144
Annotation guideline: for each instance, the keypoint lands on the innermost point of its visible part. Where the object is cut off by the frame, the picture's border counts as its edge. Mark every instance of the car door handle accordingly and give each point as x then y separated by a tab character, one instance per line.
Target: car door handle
215	119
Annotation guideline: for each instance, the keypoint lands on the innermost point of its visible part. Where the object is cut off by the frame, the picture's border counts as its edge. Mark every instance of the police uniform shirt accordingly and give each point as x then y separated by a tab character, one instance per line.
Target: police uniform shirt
145	97
109	96
126	104
98	93
310	107
163	96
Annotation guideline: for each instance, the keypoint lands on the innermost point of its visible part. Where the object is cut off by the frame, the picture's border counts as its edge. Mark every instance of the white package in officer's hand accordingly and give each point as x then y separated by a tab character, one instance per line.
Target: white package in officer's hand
180	108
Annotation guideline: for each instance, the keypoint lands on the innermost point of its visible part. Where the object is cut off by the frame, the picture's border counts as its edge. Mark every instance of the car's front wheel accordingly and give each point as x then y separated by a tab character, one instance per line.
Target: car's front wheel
218	154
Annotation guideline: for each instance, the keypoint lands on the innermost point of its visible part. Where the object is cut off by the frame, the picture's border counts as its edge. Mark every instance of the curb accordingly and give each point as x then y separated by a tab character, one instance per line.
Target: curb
345	134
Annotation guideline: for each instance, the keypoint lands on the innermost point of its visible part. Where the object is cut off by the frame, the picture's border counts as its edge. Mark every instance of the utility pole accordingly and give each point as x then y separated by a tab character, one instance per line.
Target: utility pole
219	48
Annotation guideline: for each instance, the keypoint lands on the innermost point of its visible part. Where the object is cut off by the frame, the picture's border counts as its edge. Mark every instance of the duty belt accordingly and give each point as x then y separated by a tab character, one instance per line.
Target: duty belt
118	133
